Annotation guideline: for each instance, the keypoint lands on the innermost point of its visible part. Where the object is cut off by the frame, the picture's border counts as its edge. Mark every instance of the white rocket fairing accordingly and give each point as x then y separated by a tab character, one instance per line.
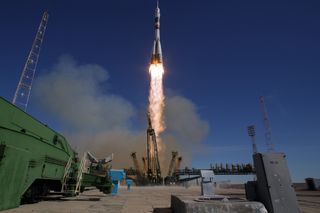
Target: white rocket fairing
156	57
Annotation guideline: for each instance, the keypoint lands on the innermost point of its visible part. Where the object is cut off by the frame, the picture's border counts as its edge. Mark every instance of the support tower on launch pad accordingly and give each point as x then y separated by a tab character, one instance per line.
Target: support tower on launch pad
153	164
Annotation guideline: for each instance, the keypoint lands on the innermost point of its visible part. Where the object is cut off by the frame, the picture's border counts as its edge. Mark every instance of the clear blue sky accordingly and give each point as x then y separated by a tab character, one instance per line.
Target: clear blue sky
222	55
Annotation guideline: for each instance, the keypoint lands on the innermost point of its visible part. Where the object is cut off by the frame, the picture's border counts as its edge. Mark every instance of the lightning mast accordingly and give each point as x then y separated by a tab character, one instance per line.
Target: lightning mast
252	134
266	122
22	94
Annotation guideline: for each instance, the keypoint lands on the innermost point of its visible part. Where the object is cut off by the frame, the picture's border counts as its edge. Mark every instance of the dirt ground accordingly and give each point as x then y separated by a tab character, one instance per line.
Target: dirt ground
144	199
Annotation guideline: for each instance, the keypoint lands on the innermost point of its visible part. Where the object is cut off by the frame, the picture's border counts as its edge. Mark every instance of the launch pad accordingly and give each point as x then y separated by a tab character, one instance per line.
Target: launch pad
151	172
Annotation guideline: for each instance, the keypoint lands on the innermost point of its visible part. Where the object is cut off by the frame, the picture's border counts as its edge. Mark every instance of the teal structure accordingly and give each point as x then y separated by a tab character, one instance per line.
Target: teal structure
116	175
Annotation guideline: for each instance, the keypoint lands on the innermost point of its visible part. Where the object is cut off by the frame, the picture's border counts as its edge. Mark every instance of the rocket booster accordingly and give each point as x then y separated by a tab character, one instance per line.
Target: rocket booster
156	57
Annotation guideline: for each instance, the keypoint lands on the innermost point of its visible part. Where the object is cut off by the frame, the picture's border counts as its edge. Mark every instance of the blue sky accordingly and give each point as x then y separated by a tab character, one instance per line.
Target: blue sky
221	55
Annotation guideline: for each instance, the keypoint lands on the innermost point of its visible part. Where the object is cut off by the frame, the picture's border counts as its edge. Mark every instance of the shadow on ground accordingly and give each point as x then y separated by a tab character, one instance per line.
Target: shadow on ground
162	210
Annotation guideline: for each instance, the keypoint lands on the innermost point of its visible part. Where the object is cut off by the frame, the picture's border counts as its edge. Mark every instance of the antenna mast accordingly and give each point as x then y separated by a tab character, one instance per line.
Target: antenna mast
266	122
22	94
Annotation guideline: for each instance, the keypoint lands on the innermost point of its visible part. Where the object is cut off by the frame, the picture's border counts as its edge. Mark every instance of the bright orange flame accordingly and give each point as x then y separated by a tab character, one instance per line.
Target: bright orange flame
156	98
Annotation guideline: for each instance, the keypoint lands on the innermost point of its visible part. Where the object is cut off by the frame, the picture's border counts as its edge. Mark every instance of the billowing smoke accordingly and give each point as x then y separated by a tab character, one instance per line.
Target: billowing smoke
184	128
93	119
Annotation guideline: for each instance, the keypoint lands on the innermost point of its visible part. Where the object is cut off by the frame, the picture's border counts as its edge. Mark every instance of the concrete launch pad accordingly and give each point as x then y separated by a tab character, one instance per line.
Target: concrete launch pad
146	199
195	204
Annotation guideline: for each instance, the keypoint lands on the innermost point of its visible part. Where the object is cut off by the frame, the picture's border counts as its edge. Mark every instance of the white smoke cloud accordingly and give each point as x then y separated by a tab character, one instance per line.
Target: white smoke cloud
100	121
73	93
183	120
185	130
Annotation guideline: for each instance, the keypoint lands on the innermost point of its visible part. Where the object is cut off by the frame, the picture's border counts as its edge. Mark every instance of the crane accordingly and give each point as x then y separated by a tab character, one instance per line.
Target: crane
22	93
266	123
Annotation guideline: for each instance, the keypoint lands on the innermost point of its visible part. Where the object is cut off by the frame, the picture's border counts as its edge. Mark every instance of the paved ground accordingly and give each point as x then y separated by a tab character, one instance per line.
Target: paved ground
143	199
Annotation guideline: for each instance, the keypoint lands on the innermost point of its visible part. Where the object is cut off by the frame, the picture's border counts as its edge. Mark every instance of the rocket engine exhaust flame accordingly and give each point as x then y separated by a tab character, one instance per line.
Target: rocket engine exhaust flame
156	98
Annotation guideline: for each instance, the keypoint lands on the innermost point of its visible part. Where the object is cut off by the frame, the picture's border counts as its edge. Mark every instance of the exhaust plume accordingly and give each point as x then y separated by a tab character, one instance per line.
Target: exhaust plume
101	122
156	98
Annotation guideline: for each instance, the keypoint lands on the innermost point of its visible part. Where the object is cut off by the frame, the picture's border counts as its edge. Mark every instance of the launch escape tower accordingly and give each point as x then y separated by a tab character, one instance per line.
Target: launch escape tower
153	164
22	94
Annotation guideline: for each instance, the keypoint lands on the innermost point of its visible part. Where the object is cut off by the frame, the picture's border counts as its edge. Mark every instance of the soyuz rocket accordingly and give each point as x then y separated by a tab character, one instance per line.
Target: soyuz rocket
156	57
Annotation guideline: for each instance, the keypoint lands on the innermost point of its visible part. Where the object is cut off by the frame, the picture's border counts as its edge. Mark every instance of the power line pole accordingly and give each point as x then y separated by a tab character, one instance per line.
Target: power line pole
22	94
266	123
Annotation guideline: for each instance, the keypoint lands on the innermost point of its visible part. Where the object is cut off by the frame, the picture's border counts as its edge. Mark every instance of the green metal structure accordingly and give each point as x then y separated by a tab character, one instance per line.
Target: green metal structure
34	160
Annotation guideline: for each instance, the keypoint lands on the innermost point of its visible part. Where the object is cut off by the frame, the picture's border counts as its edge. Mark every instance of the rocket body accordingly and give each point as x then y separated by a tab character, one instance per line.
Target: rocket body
156	57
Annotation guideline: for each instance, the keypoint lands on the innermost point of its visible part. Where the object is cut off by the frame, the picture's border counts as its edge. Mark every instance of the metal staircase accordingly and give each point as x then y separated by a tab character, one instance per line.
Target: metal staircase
82	169
66	175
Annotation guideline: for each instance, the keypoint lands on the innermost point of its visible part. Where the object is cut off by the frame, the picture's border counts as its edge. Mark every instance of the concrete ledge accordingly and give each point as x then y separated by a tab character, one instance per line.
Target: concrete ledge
192	204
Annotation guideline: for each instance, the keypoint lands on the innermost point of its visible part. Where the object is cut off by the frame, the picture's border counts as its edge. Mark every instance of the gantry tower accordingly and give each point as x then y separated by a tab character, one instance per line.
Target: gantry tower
153	164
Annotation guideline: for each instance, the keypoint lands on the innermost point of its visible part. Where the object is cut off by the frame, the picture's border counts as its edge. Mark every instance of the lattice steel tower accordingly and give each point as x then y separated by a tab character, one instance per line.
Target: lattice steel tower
266	122
22	94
